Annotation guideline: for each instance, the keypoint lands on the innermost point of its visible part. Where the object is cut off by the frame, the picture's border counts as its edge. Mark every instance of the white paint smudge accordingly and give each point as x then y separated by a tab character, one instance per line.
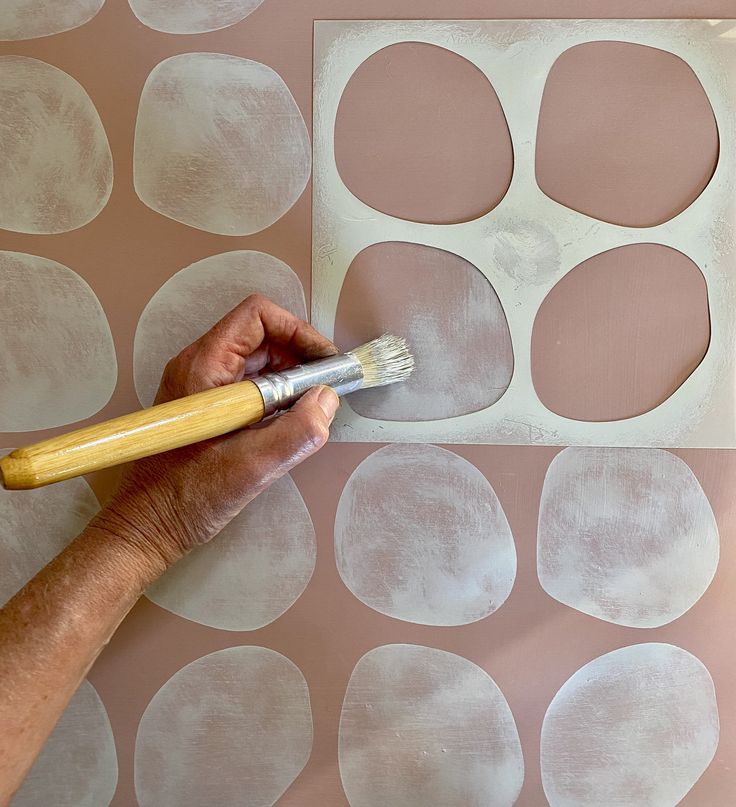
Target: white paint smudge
425	728
28	19
420	535
432	298
192	17
220	144
192	301
634	728
78	766
626	535
35	525
232	729
256	569
55	161
57	357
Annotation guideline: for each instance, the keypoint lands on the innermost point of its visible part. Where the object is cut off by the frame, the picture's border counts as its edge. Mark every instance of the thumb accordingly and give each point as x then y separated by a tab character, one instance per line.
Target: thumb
292	437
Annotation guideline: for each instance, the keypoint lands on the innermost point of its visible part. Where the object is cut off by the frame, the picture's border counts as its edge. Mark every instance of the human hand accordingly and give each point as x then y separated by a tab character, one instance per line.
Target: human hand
170	503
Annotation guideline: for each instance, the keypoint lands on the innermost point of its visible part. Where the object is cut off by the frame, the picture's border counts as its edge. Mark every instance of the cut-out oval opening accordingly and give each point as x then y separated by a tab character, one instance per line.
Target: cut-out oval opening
626	134
452	319
421	135
620	333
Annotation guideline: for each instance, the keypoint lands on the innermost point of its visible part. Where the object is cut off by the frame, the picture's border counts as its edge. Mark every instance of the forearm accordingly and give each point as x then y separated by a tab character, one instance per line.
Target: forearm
52	631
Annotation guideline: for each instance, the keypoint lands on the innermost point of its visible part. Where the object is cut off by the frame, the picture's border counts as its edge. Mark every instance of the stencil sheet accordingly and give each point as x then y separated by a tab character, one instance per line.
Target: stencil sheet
516	57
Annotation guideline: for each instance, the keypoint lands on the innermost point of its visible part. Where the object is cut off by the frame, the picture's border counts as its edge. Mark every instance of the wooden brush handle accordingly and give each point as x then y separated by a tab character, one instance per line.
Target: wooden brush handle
130	437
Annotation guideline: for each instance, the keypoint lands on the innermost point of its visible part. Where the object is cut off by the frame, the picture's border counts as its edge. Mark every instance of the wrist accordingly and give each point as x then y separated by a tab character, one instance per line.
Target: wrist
140	536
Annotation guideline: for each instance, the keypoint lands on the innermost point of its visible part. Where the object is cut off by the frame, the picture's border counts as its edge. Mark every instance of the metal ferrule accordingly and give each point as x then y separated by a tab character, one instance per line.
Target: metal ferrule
280	390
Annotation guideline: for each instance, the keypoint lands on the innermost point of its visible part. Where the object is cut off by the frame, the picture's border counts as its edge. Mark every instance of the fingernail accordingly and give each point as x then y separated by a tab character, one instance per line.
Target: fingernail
328	401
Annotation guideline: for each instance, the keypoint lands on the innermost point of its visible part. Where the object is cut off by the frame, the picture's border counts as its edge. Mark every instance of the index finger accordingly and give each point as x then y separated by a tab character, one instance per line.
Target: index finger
258	320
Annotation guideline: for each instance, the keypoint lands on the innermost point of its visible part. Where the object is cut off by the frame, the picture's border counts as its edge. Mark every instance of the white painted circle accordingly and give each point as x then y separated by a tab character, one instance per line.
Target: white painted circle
35	525
196	297
625	535
55	162
232	729
58	356
78	766
634	728
220	144
192	17
420	535
252	572
28	19
425	728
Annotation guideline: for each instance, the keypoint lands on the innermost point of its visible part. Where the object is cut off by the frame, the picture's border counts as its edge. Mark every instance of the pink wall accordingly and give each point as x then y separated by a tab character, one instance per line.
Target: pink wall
532	644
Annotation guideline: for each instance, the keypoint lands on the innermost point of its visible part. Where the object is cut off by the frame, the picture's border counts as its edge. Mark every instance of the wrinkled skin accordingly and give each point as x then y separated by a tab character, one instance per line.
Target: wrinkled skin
178	500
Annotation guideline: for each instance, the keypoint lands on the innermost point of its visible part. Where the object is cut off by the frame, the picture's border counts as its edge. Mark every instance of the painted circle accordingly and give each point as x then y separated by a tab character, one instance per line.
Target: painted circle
58	360
220	144
635	728
192	17
55	162
35	525
28	19
78	765
625	535
420	535
425	728
233	728
452	319
256	570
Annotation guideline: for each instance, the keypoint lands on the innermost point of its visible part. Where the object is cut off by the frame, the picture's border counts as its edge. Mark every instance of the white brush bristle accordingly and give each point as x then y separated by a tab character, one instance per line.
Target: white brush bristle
385	360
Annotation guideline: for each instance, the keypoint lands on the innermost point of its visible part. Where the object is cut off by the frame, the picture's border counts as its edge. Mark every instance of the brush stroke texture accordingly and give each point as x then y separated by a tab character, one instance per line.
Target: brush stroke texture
220	144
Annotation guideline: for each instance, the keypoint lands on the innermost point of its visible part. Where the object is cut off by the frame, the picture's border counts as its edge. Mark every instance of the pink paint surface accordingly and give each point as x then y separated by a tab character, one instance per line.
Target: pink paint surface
620	333
420	135
613	140
532	644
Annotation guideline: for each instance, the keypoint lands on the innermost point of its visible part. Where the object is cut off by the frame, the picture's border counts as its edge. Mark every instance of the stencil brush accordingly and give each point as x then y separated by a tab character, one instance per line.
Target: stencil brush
201	416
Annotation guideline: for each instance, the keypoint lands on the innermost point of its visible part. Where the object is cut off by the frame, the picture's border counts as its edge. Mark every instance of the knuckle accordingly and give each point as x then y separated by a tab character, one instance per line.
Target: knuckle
255	300
313	430
317	432
180	363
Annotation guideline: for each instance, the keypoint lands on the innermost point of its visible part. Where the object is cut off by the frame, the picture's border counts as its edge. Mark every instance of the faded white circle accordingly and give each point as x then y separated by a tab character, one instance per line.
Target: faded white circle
35	525
634	728
192	17
55	161
425	728
254	571
57	356
195	298
220	144
420	535
27	19
232	729
78	766
625	535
